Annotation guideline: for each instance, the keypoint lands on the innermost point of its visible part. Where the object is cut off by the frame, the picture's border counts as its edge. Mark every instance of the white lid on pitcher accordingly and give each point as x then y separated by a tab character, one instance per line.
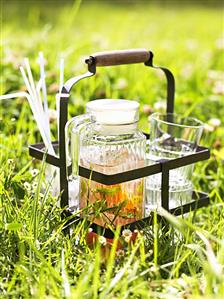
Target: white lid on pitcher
114	112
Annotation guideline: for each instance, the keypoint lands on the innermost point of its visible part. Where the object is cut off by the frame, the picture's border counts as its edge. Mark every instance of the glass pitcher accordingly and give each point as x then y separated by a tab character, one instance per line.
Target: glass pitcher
107	140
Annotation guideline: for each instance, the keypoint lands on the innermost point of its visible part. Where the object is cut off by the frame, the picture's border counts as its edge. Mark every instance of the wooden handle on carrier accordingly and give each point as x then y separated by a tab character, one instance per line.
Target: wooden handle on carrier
110	58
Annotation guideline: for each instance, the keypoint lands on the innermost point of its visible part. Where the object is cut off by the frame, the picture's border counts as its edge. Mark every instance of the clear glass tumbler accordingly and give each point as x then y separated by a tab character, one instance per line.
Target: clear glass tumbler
171	136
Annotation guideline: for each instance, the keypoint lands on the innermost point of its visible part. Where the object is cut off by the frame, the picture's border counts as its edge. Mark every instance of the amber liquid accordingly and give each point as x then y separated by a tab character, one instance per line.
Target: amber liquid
114	205
117	204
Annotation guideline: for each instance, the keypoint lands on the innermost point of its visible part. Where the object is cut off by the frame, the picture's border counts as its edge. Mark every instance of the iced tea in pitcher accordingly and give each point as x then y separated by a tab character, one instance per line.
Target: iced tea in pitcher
110	142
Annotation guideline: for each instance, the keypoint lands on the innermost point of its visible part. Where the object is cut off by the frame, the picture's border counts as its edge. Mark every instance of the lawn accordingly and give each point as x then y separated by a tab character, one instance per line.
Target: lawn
37	258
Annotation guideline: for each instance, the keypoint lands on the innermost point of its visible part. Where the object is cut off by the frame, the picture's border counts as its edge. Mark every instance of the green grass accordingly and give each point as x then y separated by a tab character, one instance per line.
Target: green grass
37	260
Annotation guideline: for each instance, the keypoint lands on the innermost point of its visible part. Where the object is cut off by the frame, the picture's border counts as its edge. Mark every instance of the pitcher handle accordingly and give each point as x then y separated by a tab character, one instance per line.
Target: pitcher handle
72	133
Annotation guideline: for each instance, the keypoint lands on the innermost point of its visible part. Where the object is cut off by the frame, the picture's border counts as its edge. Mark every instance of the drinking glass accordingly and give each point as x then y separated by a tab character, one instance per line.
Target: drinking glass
171	136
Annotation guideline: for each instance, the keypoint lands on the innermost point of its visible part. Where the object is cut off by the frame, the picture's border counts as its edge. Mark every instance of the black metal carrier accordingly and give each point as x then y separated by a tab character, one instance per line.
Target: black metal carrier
199	199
